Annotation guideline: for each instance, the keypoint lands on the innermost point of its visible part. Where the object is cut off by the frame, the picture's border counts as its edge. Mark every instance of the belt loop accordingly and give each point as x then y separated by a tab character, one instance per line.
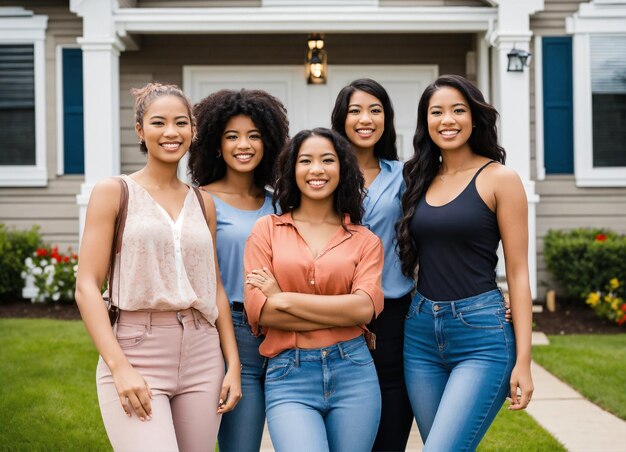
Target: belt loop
196	320
419	304
149	323
341	352
297	357
453	306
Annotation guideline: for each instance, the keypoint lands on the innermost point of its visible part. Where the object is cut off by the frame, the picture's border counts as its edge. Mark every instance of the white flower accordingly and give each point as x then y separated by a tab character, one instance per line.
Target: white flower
37	271
23	275
54	261
28	262
43	263
49	269
75	268
56	296
61	283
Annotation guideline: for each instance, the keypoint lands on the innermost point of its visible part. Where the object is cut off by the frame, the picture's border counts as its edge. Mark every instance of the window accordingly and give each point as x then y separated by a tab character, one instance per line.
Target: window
17	104
22	98
608	100
599	62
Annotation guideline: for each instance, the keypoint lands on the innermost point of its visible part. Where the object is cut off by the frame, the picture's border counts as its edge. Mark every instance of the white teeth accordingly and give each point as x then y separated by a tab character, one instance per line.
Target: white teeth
317	183
449	133
171	146
365	131
244	157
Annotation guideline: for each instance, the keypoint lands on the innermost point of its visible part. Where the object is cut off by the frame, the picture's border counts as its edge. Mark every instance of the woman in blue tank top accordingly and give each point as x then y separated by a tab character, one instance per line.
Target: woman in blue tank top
240	134
364	115
461	357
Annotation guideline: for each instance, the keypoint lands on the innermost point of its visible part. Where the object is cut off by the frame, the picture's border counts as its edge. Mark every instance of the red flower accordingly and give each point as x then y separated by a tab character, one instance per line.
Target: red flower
42	252
624	307
601	237
74	256
621	321
65	259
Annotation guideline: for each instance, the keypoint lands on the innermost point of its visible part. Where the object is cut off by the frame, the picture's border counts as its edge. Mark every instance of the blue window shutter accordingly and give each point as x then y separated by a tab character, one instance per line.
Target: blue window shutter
558	116
73	152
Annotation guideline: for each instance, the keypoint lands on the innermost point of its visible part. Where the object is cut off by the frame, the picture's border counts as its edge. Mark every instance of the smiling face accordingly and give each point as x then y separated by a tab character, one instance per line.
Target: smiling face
317	168
166	128
449	119
241	144
365	121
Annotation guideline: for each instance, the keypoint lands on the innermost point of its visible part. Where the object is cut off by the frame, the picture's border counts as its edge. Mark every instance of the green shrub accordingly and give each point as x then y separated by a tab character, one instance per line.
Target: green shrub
584	260
15	247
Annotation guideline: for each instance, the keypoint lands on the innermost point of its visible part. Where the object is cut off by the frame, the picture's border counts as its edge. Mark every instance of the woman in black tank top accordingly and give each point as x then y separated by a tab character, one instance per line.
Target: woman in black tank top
461	356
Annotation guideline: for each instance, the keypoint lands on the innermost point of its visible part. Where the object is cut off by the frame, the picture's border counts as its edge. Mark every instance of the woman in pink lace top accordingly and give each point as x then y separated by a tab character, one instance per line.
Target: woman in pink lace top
160	377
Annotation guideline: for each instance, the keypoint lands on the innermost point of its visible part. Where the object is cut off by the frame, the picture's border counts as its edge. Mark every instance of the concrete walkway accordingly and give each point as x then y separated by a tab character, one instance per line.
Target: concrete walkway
577	423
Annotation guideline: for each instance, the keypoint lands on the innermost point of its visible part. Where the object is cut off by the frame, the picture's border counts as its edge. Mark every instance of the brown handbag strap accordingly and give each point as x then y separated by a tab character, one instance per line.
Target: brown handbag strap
201	201
120	223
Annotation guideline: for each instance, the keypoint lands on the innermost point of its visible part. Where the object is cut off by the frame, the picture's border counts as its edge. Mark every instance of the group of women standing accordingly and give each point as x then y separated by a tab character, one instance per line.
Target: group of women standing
304	241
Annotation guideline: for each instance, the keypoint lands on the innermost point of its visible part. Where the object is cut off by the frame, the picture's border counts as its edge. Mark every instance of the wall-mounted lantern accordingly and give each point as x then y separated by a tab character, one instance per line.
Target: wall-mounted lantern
518	59
316	64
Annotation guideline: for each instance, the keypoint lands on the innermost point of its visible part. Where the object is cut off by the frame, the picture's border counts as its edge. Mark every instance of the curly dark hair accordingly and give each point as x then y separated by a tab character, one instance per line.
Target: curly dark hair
422	168
213	112
385	148
349	194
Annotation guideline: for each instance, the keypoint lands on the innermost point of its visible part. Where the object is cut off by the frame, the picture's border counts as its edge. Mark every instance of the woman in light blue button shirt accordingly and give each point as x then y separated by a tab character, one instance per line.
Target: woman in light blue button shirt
240	134
364	115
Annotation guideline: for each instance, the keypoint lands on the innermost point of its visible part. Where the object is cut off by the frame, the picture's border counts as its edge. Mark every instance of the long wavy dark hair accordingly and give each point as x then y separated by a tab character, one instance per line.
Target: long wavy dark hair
213	112
349	194
385	148
422	168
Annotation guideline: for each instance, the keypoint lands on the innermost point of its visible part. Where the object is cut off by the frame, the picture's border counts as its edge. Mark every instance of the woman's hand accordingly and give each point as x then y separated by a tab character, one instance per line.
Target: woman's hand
230	394
507	313
133	390
264	281
522	379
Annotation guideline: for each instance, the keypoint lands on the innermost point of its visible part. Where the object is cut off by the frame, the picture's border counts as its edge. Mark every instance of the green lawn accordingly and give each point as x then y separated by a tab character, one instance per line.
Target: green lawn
48	394
594	365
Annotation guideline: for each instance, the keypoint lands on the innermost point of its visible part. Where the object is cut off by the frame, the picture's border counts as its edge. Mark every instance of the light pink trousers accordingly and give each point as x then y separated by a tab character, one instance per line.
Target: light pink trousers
179	355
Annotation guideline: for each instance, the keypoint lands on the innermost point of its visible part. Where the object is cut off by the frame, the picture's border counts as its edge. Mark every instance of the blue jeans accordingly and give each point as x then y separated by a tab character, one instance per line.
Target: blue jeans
458	357
323	399
241	430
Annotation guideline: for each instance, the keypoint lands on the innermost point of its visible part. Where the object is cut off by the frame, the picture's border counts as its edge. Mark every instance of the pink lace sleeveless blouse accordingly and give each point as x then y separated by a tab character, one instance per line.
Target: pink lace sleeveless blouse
165	265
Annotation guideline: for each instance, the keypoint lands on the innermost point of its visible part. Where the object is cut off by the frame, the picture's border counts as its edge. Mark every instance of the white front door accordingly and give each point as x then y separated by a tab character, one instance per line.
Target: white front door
310	106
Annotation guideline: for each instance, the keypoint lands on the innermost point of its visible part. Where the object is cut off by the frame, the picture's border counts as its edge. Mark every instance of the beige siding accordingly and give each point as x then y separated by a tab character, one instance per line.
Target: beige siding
53	207
551	21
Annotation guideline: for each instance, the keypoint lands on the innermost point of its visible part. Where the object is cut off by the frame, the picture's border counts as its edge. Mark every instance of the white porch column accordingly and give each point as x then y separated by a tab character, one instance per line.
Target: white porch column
512	99
101	49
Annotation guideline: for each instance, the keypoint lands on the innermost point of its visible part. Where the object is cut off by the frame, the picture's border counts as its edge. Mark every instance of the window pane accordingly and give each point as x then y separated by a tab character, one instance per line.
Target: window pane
17	104
608	84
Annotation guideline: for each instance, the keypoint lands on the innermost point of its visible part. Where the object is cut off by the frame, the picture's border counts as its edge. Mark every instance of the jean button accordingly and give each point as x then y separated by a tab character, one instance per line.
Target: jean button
324	353
436	308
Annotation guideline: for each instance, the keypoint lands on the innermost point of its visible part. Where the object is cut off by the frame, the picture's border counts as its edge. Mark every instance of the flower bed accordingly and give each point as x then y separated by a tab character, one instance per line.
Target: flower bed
51	275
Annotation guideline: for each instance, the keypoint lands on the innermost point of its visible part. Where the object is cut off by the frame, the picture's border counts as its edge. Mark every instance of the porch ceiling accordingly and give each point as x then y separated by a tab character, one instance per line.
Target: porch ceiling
303	19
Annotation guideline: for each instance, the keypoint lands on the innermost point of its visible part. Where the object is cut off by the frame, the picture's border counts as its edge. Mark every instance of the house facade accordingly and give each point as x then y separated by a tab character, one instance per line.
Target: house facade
67	67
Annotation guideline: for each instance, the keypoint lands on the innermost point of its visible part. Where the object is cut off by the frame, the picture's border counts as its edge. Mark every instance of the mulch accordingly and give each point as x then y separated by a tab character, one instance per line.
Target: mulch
570	319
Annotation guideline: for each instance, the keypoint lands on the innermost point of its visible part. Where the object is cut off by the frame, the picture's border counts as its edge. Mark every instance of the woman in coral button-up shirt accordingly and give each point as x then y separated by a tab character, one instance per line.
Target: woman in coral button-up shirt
313	282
